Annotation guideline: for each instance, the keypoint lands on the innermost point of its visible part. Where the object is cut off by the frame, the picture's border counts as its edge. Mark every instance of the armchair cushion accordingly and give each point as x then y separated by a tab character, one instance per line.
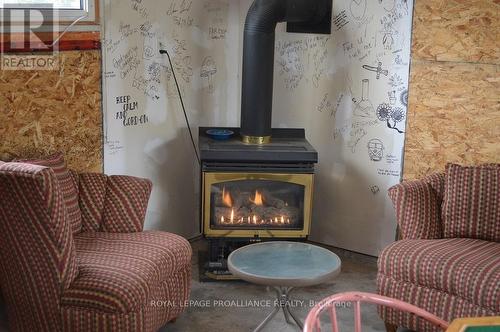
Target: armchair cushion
465	268
471	206
68	185
125	203
119	270
115	203
417	209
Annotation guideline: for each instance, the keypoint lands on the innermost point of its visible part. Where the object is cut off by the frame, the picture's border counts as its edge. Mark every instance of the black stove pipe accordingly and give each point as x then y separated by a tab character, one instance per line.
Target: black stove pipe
258	59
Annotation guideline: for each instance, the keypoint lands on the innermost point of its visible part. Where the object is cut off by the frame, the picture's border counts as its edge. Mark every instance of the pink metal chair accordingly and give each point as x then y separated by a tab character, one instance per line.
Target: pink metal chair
329	304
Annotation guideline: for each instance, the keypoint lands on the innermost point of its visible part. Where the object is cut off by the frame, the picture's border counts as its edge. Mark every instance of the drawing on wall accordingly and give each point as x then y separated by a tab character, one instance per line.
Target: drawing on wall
208	70
375	149
148	85
399	60
392	97
403	97
392	159
340	20
114	147
397	116
319	54
150	47
355	137
395	80
182	60
127	115
180	12
217	12
204	39
364	108
304	58
327	106
359	50
153	71
290	64
391	115
388	5
405	4
127	62
378	70
358	9
140	8
389	36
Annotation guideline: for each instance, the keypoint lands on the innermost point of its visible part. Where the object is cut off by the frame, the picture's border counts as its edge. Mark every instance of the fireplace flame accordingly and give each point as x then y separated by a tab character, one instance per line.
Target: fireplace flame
226	198
258	199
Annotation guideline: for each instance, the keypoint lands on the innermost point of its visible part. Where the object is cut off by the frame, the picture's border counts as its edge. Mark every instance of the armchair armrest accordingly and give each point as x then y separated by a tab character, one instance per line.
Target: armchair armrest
115	203
417	210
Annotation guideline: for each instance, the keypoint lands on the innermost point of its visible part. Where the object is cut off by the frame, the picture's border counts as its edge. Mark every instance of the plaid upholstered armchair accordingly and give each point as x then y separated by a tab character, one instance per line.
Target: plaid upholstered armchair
74	256
448	259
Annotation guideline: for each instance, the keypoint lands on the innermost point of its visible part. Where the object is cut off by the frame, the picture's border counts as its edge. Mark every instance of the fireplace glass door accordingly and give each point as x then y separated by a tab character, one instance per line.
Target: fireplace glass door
267	202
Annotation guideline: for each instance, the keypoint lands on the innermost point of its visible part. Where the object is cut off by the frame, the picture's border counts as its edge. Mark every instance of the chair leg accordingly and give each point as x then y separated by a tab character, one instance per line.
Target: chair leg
390	327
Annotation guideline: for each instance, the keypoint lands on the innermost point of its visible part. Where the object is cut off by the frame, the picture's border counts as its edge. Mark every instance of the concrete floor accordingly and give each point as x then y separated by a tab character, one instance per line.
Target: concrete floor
358	273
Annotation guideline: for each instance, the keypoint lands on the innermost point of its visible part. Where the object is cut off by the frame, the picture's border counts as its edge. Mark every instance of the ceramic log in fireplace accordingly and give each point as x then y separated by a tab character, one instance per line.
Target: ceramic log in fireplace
252	191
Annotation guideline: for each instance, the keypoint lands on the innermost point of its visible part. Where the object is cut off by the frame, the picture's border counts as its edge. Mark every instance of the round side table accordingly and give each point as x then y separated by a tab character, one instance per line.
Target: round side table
283	265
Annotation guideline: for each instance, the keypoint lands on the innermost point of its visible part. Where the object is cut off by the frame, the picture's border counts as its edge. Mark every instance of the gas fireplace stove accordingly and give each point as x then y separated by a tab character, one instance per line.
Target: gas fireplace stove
254	192
258	185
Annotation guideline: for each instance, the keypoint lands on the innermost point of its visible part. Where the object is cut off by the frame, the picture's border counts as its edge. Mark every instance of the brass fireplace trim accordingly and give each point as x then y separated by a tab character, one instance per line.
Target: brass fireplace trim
256	139
210	178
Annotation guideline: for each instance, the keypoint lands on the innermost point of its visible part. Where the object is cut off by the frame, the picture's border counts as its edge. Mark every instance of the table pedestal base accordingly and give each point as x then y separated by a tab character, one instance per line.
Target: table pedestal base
283	303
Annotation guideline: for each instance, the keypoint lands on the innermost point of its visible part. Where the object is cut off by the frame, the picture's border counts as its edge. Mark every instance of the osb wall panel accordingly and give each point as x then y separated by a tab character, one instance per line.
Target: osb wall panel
454	99
454	116
457	30
46	111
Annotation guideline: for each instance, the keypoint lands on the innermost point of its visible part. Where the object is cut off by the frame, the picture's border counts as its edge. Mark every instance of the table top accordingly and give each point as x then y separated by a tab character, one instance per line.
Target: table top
283	263
475	324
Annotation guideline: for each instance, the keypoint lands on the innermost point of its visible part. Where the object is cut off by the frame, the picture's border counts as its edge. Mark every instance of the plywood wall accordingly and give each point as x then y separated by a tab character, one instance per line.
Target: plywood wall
58	110
454	105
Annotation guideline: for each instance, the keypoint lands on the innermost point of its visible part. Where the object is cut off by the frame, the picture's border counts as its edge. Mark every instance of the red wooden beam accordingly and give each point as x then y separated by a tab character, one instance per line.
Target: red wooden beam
16	42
